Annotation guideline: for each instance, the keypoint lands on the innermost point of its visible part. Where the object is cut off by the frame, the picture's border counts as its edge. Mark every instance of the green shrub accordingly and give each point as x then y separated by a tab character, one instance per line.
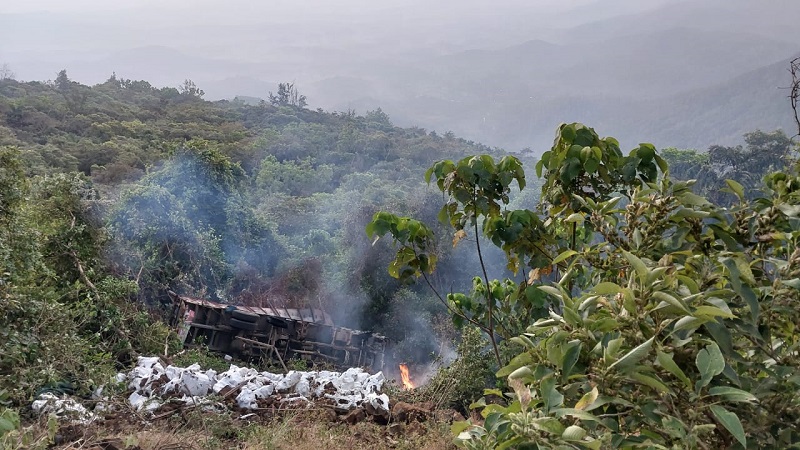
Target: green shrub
463	380
64	320
204	357
672	321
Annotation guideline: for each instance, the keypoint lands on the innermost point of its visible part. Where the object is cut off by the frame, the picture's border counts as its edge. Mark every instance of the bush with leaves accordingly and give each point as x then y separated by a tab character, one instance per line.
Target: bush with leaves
672	322
463	380
64	318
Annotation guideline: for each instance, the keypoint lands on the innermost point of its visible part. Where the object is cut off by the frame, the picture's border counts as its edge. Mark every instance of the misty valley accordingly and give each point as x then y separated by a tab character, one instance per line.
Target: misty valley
422	243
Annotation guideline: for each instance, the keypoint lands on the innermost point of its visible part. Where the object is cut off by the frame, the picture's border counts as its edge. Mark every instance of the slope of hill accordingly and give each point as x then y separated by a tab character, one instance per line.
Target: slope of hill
515	96
502	74
754	100
243	199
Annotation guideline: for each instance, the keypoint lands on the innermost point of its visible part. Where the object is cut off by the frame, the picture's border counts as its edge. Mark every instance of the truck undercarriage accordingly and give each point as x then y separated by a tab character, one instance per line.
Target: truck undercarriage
251	333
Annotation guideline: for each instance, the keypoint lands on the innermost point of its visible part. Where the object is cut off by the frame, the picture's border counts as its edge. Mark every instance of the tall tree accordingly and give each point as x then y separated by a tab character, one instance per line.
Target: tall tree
288	95
63	82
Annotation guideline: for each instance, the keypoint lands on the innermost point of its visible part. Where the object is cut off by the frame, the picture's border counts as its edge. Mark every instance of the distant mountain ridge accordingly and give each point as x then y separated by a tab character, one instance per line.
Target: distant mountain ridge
505	79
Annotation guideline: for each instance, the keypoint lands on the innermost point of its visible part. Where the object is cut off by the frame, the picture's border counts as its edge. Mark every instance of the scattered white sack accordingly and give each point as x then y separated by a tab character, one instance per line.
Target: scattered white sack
378	401
273	377
350	389
234	377
295	398
264	391
289	381
323	380
97	394
63	408
195	401
374	383
147	362
173	385
347	381
195	383
152	404
247	399
174	373
137	400
102	404
345	402
303	386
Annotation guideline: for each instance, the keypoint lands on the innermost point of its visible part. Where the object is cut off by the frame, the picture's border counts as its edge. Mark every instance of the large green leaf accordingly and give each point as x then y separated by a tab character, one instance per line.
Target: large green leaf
587	399
672	301
666	361
712	312
6	426
638	264
521	360
737	188
521	372
573	433
732	394
633	356
570	170
570	358
549	425
710	363
458	426
564	255
731	423
735	266
552	398
651	381
607	288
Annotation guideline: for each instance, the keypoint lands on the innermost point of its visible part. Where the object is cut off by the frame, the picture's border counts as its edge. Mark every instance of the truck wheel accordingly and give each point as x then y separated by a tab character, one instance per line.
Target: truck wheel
244	316
242	325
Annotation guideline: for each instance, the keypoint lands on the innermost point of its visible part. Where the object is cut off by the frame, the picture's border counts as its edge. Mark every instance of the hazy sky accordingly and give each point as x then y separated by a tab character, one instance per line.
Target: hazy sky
100	5
22	6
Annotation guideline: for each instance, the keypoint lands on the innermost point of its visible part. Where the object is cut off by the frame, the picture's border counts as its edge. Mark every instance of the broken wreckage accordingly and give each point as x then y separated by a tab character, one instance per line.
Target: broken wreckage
250	332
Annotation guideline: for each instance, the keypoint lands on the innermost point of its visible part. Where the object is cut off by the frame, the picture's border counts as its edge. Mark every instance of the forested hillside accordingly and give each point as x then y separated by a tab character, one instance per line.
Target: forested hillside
684	73
126	191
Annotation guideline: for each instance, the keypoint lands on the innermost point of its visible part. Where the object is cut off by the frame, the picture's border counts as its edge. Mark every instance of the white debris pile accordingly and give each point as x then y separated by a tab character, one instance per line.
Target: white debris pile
153	384
64	408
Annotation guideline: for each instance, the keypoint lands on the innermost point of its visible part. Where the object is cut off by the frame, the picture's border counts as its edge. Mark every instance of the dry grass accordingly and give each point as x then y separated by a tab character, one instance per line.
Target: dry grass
292	430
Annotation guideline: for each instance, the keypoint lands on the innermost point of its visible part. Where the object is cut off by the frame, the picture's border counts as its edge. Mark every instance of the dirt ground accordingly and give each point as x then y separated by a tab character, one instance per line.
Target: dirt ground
302	429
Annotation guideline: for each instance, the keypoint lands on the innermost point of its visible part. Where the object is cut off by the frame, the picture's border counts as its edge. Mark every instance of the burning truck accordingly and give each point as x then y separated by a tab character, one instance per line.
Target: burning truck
251	333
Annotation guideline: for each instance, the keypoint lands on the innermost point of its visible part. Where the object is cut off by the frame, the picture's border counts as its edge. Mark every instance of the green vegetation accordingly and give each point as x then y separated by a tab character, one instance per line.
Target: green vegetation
764	153
629	309
670	322
116	193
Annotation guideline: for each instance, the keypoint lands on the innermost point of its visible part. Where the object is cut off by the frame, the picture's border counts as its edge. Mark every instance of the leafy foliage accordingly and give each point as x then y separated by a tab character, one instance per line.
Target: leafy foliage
764	153
673	324
115	193
64	318
584	165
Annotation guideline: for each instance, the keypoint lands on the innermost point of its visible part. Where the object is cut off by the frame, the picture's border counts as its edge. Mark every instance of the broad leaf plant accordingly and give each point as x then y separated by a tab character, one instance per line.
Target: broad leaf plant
643	316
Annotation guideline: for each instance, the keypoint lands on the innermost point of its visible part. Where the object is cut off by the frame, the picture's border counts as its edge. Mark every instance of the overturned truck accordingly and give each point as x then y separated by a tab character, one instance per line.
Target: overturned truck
250	332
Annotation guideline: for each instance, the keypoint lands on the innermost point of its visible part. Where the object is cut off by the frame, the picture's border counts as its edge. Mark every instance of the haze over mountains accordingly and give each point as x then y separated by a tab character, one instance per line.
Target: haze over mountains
678	73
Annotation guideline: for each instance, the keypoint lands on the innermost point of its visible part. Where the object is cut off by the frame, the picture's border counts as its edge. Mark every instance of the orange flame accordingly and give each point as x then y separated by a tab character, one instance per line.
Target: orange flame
407	383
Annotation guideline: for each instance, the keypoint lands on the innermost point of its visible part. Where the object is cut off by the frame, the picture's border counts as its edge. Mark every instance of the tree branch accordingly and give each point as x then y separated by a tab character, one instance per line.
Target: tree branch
794	90
489	299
